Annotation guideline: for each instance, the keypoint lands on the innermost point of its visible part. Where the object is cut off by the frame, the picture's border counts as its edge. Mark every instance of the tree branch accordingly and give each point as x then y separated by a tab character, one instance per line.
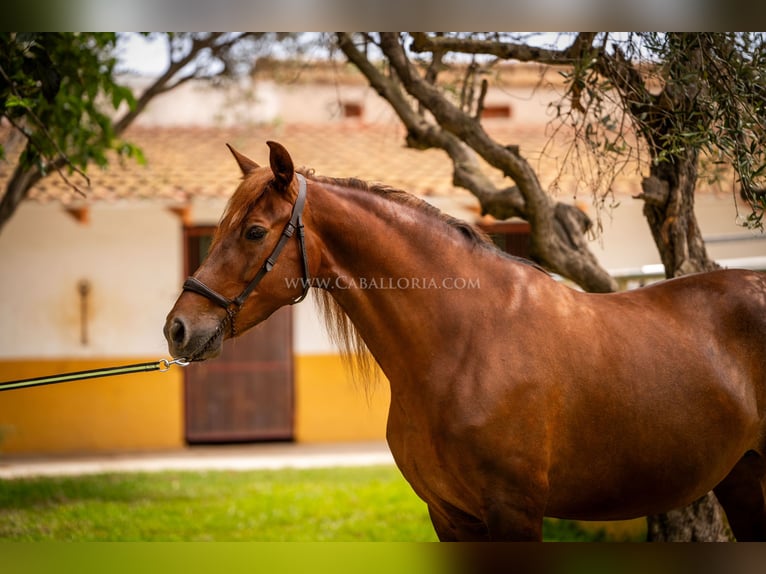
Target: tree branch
461	125
504	50
168	80
555	243
422	134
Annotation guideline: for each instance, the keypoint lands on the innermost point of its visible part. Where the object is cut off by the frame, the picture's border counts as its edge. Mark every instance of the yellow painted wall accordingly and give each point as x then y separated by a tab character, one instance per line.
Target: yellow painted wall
144	411
330	406
128	412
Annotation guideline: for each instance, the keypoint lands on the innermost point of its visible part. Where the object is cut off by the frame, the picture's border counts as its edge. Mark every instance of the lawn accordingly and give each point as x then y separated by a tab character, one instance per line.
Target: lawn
338	504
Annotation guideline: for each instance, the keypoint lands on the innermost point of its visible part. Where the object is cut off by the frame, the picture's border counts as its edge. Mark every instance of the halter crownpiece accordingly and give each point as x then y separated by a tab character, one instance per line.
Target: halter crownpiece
232	306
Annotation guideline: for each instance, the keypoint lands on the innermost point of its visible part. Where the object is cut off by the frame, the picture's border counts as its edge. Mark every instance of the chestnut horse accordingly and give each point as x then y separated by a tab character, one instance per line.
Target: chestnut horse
513	396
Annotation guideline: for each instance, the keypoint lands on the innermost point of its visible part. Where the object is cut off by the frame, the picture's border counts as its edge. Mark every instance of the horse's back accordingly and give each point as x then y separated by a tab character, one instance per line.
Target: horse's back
730	303
726	306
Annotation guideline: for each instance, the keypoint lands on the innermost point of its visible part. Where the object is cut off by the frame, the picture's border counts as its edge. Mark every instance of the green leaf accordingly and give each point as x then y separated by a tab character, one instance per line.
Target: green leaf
13	101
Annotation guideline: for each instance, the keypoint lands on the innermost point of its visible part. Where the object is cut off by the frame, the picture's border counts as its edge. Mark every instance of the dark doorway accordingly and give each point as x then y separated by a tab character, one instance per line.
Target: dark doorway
246	394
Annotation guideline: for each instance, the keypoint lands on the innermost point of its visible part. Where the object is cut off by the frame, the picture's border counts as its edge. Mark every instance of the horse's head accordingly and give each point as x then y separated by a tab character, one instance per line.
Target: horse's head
258	261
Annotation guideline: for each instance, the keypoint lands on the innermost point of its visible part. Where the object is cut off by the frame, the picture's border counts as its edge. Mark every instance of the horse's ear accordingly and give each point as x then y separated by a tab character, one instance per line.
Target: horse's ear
245	163
281	164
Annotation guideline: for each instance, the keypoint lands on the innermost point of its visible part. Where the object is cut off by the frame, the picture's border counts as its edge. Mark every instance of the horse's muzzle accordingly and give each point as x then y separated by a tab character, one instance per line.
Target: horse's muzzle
193	341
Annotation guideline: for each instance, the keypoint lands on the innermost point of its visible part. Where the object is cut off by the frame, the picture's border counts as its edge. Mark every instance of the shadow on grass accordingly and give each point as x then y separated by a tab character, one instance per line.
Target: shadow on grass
30	493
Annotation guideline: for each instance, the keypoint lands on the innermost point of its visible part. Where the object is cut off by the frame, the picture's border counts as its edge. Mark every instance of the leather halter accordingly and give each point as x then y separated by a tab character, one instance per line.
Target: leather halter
232	306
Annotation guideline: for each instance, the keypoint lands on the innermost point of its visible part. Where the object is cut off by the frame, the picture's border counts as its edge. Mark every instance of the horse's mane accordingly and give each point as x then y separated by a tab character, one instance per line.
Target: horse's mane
341	330
471	233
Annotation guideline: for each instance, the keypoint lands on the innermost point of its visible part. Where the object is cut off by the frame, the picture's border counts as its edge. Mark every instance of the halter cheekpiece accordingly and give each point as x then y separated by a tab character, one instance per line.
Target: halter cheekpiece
294	226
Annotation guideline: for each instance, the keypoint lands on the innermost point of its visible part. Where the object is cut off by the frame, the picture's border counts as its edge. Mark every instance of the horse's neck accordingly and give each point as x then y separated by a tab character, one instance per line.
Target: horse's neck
367	236
406	280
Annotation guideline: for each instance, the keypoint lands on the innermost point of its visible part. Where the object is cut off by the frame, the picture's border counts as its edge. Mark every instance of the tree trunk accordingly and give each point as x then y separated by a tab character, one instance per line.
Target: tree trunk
668	194
701	521
16	191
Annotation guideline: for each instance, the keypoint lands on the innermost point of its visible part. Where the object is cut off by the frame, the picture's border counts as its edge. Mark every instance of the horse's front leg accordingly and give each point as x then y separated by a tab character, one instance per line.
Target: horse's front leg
501	521
454	525
514	504
514	522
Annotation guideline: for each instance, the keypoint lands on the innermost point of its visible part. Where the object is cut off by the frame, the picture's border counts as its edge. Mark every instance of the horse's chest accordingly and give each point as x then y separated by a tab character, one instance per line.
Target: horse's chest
429	474
437	472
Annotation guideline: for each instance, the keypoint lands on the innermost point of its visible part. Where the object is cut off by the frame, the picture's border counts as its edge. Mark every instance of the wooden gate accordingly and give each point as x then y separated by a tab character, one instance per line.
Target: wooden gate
247	393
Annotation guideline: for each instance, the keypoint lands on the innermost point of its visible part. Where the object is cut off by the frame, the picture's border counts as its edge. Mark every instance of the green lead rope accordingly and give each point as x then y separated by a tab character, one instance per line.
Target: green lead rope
161	365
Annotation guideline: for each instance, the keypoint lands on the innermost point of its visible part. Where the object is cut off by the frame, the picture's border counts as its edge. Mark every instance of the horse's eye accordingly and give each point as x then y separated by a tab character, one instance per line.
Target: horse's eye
255	233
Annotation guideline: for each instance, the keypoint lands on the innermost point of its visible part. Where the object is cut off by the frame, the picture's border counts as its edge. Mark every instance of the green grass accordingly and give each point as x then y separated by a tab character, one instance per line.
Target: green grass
339	504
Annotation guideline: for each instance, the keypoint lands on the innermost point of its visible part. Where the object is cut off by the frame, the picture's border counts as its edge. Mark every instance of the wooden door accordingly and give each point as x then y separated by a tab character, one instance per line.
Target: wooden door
247	393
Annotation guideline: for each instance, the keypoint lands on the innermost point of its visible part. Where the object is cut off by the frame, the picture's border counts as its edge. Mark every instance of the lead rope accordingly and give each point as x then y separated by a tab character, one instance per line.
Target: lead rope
162	365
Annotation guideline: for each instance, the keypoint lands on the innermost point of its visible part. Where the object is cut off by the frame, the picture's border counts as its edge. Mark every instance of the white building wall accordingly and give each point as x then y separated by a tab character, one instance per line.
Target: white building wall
265	101
131	254
131	257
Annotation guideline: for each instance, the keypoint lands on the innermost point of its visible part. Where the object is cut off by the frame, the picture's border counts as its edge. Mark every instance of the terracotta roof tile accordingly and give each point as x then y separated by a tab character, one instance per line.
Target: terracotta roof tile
185	163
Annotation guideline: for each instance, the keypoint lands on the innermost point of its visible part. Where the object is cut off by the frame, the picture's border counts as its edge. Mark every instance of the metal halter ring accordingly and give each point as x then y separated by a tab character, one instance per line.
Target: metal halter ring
165	365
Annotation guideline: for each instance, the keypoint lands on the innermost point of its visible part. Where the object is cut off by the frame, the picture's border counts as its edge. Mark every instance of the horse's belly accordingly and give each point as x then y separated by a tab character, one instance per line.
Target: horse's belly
622	503
657	444
634	483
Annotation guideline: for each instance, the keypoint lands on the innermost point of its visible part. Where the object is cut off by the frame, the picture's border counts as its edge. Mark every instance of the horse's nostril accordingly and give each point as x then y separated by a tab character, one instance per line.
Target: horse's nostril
177	332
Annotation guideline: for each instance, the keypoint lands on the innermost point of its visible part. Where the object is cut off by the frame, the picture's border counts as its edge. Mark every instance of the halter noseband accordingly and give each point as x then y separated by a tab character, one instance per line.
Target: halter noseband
232	306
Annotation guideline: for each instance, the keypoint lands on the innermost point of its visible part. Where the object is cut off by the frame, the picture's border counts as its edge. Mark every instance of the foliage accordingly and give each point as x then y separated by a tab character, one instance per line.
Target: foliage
57	89
340	504
679	92
60	91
